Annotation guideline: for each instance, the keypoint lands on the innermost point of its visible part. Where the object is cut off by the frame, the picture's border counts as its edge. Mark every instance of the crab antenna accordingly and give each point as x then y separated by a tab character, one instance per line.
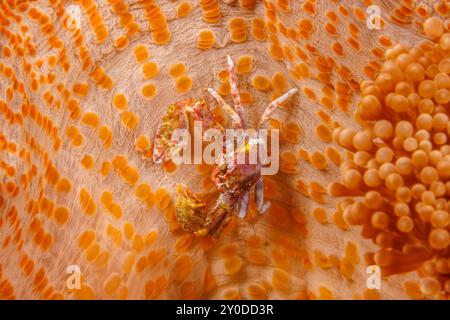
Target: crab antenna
237	122
274	104
234	89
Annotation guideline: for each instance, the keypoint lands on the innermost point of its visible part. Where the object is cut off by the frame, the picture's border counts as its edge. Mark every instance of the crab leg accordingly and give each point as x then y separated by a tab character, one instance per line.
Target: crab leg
243	205
265	207
158	154
274	104
237	122
261	206
234	90
259	195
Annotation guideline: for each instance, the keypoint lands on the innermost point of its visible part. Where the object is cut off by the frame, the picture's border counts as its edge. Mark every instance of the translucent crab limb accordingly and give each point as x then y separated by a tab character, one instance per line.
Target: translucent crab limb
261	206
237	122
243	205
259	195
234	89
274	104
265	207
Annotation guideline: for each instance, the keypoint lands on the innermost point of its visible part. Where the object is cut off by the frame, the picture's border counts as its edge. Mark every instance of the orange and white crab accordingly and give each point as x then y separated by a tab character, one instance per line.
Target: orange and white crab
233	179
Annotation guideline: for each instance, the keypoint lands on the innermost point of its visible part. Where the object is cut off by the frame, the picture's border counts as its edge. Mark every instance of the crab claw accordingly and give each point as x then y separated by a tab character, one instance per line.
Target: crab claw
190	211
174	118
218	216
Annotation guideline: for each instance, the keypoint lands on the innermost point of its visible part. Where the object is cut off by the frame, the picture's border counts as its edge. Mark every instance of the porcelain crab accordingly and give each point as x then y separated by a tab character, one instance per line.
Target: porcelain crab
233	180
